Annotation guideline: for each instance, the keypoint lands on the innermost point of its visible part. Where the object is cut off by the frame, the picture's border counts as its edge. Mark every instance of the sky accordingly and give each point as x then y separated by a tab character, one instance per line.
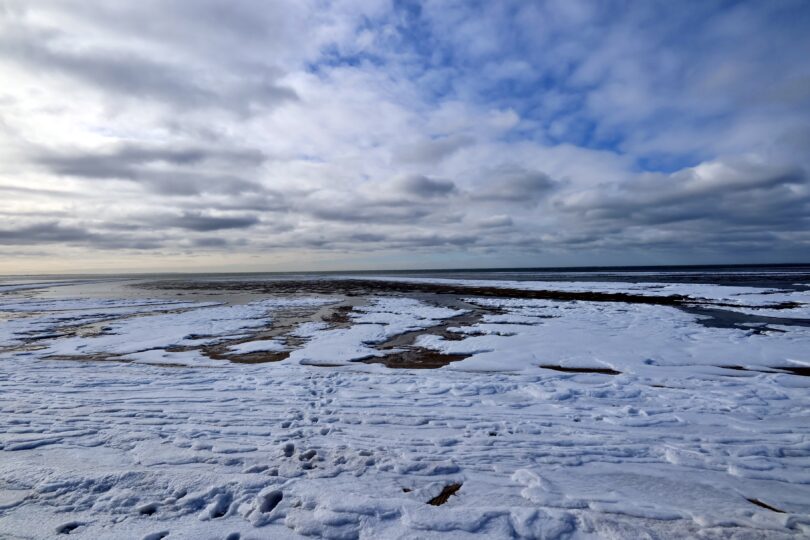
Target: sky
261	135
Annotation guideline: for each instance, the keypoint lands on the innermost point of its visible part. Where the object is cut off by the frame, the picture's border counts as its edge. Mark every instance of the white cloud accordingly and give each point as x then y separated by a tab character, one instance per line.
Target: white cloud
293	131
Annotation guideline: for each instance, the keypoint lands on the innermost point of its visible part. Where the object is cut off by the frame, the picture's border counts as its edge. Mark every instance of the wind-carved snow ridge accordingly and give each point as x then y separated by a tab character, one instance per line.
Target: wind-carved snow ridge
569	420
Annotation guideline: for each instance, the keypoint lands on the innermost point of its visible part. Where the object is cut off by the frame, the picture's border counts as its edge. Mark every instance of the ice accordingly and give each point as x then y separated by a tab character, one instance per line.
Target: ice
115	423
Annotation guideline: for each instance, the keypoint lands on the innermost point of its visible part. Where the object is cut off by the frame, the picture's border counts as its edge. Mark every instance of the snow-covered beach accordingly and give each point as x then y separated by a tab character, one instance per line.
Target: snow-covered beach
246	409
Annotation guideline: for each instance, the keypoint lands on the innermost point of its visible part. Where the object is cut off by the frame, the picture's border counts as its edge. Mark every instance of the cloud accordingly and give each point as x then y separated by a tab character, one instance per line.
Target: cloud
424	187
515	186
125	160
369	214
203	223
168	171
56	233
211	242
493	222
44	233
715	205
737	192
503	133
432	151
119	69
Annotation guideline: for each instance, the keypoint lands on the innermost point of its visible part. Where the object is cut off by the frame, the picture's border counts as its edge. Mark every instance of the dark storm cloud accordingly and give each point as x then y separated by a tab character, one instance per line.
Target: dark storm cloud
126	160
434	240
493	222
369	214
516	186
366	237
129	243
422	186
432	151
202	223
217	242
737	194
168	171
211	242
40	193
45	233
726	207
391	239
190	184
54	232
251	199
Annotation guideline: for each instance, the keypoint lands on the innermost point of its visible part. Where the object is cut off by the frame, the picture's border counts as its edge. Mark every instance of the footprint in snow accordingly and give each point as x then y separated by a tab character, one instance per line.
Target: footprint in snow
148	509
67	528
256	469
270	500
218	508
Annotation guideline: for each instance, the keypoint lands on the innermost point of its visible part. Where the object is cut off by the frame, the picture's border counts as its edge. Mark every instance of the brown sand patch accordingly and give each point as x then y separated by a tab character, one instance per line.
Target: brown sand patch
415	358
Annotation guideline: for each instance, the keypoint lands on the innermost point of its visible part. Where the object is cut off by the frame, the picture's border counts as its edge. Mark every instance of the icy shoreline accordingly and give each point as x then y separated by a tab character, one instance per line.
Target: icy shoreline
679	442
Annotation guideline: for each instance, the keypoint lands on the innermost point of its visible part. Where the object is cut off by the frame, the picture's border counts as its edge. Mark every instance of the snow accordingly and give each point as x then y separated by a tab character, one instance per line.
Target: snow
169	443
640	339
385	318
755	300
37	284
196	324
260	345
